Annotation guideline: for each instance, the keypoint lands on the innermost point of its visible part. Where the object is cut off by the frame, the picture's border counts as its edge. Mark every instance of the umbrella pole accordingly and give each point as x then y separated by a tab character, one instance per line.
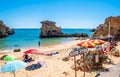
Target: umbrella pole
75	66
84	64
14	74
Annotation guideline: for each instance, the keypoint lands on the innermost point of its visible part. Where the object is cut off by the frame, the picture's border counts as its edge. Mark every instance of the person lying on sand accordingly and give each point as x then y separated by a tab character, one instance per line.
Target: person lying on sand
26	58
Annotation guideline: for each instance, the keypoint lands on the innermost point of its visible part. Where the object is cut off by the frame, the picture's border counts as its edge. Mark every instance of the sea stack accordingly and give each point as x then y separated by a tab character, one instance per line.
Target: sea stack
49	29
5	31
114	26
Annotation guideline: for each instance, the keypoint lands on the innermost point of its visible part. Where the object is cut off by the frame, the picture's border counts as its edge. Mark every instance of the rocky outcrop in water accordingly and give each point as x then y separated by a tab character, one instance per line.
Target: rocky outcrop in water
114	27
49	29
5	31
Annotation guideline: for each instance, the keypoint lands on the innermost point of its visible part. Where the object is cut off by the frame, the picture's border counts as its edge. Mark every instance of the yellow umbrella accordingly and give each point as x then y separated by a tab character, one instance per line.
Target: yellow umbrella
86	44
97	41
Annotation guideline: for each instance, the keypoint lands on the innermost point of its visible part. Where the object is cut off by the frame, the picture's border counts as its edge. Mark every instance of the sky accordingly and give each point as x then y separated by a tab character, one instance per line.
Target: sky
66	13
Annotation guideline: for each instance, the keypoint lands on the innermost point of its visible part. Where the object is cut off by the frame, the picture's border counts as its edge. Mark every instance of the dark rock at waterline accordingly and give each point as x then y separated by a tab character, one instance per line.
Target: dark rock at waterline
49	29
5	31
17	50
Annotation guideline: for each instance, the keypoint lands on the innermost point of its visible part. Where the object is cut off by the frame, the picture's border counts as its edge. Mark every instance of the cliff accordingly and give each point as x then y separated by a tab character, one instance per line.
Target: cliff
5	31
49	29
114	25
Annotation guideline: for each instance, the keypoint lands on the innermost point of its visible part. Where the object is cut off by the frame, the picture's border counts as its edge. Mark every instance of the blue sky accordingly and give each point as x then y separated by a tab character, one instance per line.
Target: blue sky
66	13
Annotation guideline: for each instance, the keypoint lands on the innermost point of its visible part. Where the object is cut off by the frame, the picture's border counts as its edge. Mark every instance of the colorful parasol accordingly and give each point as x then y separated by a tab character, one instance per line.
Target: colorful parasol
97	41
13	66
9	57
32	51
86	44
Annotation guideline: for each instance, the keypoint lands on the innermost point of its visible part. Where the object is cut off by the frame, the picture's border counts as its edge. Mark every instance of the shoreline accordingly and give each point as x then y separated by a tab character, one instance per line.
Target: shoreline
36	46
43	48
55	67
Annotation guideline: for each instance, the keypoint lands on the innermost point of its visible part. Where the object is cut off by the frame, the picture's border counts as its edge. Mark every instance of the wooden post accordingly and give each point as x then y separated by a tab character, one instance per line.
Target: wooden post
75	66
84	64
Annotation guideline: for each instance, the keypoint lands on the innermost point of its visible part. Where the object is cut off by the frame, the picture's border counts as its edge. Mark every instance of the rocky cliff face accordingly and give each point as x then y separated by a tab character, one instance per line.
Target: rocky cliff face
114	23
5	30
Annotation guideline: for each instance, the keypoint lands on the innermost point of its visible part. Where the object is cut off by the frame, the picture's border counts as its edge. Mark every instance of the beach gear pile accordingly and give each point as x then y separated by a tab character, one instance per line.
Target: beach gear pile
94	59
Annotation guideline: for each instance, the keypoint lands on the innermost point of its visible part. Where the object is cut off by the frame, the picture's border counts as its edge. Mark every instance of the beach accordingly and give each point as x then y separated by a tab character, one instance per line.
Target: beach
54	67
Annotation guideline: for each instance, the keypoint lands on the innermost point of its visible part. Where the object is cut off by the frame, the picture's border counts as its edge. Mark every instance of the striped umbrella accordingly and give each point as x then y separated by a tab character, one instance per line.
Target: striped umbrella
97	41
86	44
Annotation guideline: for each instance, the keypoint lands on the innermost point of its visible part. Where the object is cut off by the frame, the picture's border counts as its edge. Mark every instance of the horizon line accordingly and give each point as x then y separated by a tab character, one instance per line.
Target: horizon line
40	27
62	28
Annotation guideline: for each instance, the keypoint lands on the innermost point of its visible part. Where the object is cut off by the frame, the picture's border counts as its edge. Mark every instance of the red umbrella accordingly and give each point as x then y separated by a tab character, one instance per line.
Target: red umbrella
86	44
98	41
33	51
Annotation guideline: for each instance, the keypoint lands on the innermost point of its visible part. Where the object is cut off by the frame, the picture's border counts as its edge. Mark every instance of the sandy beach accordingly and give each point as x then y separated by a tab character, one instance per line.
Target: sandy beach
55	67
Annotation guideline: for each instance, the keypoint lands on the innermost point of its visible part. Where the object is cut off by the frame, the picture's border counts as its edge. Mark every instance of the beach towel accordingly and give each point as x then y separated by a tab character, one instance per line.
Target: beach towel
33	67
54	53
0	70
43	64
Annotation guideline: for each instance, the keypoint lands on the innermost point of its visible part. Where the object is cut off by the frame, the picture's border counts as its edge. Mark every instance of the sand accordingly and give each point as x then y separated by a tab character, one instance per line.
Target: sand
55	67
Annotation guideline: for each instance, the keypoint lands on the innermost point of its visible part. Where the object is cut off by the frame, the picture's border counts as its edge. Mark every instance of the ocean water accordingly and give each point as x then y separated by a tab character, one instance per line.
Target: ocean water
25	38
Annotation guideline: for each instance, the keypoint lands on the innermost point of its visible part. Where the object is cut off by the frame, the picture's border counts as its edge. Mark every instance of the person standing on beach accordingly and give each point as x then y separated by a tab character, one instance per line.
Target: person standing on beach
39	43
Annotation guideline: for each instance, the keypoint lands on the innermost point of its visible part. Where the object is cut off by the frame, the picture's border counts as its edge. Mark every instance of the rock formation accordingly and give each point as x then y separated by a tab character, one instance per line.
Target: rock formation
49	29
114	23
5	30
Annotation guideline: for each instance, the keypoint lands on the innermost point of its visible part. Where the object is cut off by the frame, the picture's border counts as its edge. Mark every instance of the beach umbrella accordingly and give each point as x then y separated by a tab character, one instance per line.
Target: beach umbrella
9	57
86	44
13	66
97	41
32	51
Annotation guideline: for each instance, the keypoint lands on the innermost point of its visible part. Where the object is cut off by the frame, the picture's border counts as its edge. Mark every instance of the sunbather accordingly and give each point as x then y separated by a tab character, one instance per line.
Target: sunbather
26	58
29	60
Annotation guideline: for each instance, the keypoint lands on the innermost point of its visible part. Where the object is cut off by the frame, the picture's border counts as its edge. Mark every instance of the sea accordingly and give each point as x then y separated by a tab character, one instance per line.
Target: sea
26	38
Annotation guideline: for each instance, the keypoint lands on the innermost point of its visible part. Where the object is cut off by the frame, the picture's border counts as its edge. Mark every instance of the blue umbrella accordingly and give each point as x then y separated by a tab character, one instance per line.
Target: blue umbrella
13	66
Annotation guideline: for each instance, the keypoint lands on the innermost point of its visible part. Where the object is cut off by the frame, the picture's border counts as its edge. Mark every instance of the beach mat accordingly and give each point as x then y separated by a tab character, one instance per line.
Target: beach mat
33	67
